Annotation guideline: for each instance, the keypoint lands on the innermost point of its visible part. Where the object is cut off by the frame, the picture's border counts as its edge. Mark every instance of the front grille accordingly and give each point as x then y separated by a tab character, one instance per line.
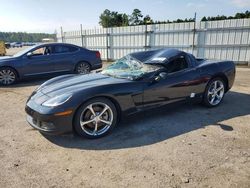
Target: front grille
41	125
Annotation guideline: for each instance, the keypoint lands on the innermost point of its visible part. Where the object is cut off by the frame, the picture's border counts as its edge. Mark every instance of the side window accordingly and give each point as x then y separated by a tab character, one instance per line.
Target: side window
73	49
46	50
177	64
64	49
38	52
61	49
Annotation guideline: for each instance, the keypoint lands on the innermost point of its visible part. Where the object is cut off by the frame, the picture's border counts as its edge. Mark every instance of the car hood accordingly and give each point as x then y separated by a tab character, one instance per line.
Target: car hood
6	58
74	83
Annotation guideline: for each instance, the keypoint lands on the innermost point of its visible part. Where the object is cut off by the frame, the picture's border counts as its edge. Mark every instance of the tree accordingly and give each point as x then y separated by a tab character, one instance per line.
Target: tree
238	15
105	19
125	20
113	19
147	20
204	18
136	17
24	37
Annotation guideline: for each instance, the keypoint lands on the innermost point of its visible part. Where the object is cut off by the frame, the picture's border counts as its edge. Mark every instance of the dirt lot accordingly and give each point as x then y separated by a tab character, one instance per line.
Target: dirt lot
185	146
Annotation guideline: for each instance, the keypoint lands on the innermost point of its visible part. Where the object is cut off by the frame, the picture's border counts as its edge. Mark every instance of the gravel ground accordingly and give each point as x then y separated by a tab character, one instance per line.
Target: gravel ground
183	146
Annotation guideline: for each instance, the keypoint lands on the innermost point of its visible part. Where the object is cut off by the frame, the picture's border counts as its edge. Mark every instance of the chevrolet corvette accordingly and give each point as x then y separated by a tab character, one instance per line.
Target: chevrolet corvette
92	104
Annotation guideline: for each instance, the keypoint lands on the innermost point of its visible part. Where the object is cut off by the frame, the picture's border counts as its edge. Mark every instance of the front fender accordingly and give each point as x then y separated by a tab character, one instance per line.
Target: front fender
127	96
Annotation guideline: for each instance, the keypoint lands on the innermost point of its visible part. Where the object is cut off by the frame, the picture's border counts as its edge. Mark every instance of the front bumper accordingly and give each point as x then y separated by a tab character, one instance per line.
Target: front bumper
48	123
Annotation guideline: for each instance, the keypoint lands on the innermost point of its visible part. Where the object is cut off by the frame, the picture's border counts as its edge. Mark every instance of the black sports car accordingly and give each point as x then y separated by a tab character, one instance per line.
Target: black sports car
92	104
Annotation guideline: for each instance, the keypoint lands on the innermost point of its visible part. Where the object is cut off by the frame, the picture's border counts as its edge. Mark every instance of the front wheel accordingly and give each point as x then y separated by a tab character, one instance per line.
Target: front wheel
96	118
214	92
8	76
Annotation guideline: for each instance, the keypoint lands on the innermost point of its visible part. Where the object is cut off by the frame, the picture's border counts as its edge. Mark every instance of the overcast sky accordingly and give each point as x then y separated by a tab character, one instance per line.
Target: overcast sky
49	15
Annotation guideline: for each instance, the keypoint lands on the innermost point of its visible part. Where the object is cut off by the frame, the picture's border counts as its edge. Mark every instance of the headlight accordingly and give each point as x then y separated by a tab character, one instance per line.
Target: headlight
58	100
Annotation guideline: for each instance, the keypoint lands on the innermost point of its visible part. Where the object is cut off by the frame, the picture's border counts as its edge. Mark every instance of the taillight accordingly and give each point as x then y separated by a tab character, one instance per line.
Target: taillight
98	55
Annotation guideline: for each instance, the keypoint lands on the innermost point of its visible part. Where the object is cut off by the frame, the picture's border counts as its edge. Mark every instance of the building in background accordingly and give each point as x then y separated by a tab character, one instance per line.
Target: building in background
48	40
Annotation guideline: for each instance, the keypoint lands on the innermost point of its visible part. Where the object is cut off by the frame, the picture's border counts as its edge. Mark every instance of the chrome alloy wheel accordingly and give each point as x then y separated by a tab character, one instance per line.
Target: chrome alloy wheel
7	76
83	68
96	119
215	92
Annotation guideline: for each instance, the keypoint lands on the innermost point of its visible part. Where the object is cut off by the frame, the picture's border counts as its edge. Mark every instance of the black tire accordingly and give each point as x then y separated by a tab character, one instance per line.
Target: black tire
82	68
84	114
8	76
207	97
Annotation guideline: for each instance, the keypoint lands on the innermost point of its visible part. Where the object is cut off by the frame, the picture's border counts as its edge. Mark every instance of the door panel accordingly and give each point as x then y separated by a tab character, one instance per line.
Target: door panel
38	61
36	65
64	57
176	87
63	62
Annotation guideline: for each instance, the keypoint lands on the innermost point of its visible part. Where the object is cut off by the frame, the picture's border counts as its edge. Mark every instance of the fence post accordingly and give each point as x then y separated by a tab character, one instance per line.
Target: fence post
194	30
146	36
107	44
62	34
201	38
81	35
148	33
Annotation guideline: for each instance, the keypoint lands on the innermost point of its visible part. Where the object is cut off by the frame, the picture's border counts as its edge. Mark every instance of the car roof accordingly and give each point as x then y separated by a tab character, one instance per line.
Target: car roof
56	43
157	56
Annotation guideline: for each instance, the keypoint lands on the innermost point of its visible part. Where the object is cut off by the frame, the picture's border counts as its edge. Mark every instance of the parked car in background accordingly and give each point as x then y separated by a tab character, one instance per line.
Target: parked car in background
46	60
7	45
92	104
28	44
16	45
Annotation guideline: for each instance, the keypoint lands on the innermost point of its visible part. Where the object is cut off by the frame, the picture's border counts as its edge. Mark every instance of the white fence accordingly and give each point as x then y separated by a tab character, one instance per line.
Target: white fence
225	39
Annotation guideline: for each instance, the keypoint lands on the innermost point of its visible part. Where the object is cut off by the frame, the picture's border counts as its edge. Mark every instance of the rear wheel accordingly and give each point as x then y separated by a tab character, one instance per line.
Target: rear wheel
8	76
214	92
96	118
83	68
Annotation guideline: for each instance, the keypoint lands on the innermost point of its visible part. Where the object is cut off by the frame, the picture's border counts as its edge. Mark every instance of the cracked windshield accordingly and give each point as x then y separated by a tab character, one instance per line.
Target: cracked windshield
129	68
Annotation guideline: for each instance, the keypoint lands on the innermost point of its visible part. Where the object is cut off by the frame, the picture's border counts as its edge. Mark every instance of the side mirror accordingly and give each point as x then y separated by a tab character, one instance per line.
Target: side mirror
29	54
161	76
